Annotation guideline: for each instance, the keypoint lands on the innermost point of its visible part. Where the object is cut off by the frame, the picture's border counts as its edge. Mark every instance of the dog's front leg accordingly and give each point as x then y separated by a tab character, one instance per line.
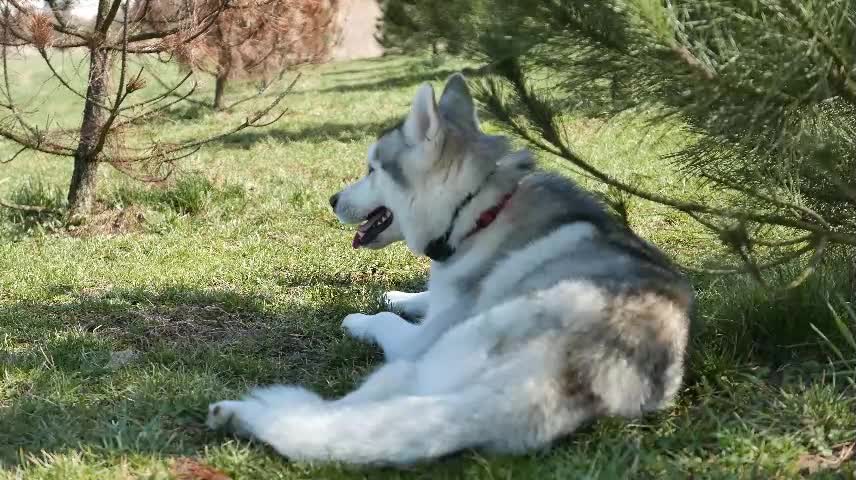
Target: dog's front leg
386	329
410	305
421	339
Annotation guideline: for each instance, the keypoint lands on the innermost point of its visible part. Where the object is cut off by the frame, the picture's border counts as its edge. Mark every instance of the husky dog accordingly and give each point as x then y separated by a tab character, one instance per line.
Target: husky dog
544	311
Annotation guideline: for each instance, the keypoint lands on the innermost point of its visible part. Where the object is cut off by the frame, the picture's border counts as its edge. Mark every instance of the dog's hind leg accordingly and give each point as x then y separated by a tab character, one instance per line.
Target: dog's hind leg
407	429
398	430
392	379
389	380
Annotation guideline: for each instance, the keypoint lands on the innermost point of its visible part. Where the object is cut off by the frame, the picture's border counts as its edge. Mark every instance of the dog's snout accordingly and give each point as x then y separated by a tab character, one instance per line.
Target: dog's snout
334	200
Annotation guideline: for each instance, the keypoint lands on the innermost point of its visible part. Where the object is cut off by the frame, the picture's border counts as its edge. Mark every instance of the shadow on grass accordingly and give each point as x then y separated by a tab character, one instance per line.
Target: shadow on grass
41	209
194	346
181	113
374	276
117	371
405	80
370	68
740	323
341	132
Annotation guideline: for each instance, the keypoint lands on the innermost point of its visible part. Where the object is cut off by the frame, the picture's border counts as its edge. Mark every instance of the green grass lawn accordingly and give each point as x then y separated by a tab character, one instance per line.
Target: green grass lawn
115	336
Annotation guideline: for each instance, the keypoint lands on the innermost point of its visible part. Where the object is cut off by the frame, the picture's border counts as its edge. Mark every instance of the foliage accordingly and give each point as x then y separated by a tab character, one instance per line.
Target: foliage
412	25
766	88
254	39
763	85
104	134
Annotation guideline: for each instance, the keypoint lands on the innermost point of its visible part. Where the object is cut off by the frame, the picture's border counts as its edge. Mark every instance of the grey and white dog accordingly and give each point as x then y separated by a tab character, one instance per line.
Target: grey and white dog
543	314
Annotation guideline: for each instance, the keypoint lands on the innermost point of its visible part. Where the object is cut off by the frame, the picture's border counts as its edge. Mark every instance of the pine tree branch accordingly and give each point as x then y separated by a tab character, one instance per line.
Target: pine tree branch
65	83
841	74
60	27
123	61
783	243
783	260
742	247
33	139
819	250
170	91
58	13
259	94
771	200
694	64
7	92
200	29
160	108
15	155
253	121
26	208
743	76
106	22
544	121
38	143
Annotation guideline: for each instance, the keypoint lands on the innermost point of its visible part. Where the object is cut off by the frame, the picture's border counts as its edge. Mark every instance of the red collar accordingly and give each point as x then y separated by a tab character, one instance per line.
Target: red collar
488	216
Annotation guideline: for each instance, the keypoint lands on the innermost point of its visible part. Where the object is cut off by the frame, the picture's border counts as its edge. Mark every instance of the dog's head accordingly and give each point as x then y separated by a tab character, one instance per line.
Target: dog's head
420	171
362	203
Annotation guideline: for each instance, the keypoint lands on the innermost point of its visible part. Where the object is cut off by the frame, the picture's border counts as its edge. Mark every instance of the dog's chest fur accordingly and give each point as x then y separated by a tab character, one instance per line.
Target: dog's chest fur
488	275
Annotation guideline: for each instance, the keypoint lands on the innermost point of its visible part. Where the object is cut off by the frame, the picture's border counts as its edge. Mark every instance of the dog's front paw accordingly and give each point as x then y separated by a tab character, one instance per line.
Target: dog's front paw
411	305
359	326
393	299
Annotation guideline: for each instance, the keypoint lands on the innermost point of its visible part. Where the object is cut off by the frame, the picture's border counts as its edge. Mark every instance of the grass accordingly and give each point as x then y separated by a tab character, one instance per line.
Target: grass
114	336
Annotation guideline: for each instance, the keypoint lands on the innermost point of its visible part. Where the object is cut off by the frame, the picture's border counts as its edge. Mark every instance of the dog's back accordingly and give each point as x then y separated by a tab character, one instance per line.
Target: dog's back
598	316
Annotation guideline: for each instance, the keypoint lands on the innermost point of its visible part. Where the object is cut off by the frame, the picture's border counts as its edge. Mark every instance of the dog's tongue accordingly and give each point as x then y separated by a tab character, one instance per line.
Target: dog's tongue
365	227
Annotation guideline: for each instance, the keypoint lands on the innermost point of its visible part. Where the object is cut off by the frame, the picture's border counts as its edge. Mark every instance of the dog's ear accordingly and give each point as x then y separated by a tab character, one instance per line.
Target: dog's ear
423	121
457	106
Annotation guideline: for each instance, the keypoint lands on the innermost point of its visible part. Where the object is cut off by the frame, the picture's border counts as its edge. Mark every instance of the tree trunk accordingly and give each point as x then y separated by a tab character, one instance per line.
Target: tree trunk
81	192
224	62
219	90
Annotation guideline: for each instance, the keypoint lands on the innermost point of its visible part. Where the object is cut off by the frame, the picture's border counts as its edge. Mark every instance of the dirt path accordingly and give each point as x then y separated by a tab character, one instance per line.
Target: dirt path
359	23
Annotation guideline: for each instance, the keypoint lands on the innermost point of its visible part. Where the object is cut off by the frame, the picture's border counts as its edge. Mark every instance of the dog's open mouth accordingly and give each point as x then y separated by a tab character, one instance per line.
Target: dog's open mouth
379	220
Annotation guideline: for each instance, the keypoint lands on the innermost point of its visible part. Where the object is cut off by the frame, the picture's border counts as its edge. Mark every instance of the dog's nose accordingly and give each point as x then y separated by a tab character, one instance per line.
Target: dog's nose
334	200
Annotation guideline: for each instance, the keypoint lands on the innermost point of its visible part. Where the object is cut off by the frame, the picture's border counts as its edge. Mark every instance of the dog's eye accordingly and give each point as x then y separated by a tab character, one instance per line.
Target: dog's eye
371	170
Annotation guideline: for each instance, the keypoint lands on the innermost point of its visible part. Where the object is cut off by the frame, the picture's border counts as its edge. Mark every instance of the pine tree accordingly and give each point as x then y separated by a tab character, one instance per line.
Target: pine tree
412	25
254	39
768	87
